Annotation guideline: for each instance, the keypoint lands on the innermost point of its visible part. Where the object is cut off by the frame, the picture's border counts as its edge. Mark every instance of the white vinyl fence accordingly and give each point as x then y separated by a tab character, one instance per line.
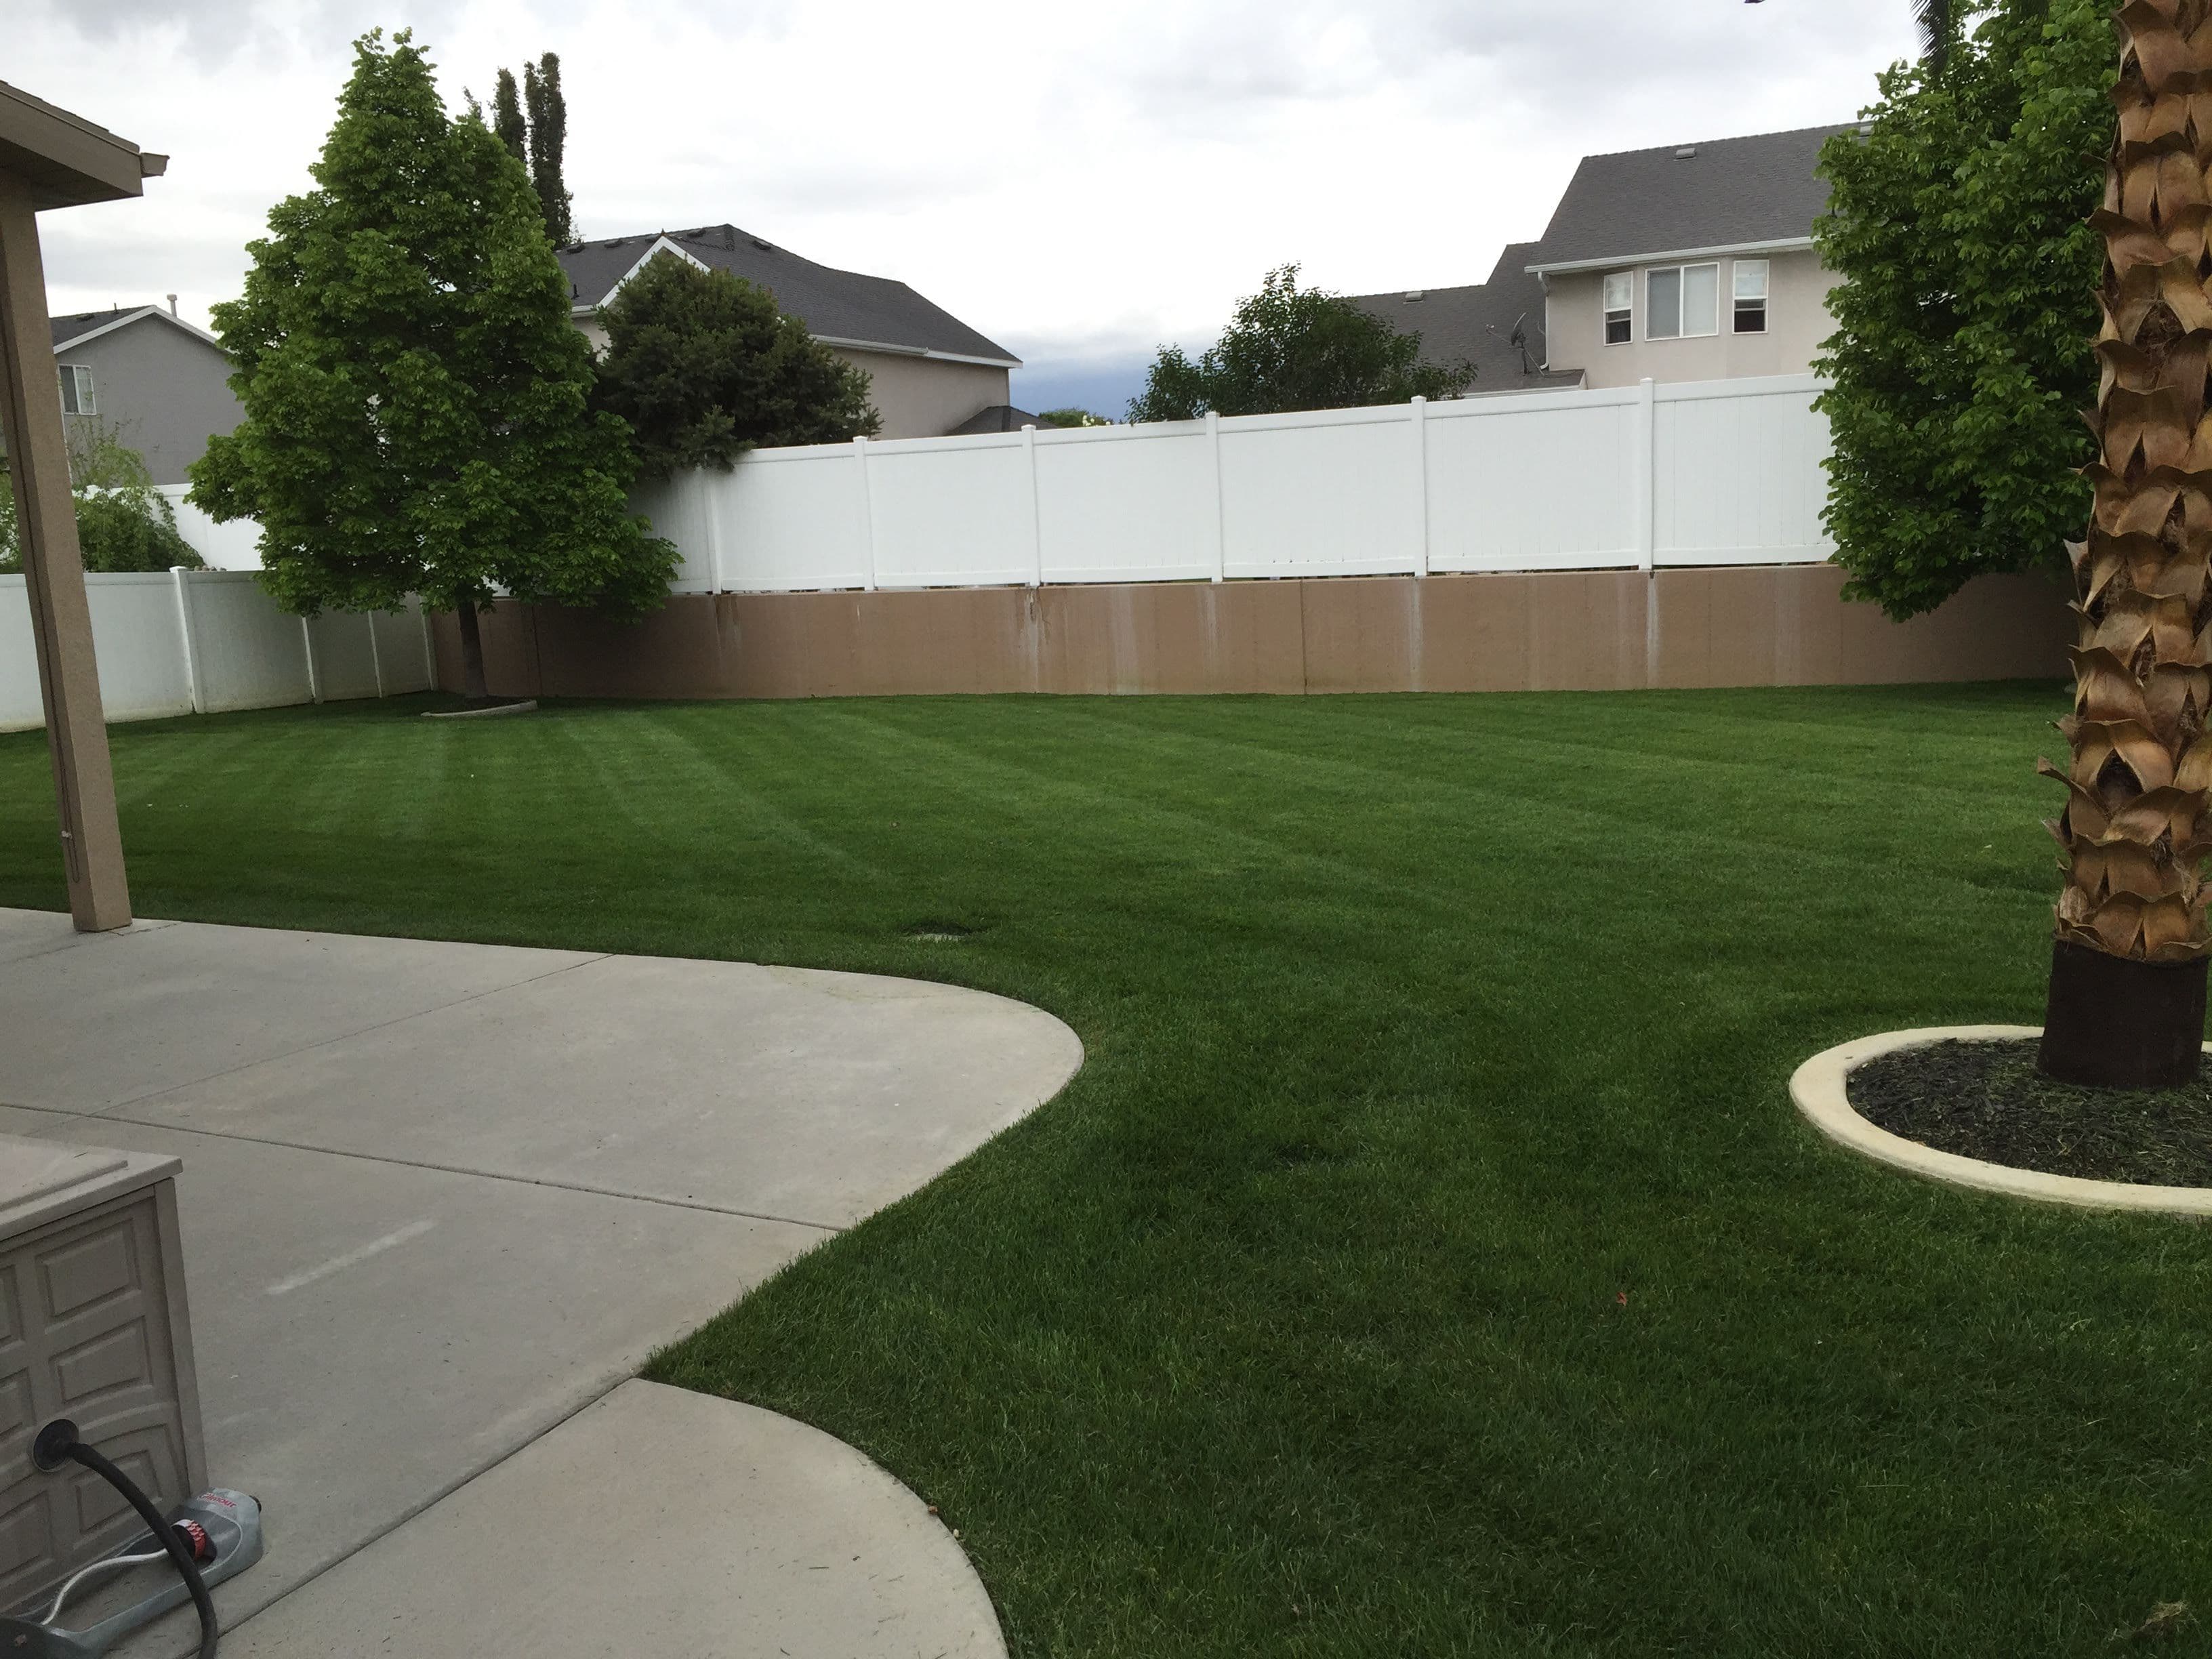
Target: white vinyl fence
1716	472
232	546
186	641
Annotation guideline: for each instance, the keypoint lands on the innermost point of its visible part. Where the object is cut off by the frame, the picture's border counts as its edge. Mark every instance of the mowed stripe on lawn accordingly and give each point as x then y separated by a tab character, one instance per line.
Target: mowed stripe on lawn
1421	1032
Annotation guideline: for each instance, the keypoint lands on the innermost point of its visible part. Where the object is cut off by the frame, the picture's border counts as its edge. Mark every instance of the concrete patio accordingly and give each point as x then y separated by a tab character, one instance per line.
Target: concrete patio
440	1202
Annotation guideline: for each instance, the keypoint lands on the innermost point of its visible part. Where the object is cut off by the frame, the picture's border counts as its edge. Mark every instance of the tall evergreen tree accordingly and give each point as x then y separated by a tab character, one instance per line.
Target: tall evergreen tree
507	118
415	394
548	138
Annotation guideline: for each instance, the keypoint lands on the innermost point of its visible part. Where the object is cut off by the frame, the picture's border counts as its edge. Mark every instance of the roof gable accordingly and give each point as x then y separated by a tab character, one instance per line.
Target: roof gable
839	307
1681	198
83	326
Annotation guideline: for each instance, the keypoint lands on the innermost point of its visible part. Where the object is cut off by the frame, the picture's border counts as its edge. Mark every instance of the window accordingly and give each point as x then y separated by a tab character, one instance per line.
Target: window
1751	296
76	390
1619	296
1681	302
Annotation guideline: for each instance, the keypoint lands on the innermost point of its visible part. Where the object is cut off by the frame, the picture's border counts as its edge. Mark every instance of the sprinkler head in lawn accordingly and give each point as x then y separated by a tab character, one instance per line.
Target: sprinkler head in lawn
941	932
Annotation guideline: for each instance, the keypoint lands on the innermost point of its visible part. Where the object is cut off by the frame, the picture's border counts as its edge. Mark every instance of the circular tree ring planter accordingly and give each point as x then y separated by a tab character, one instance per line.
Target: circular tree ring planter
1819	1088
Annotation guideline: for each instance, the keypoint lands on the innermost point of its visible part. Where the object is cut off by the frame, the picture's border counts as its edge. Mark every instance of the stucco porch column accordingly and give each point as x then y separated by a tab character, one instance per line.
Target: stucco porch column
50	159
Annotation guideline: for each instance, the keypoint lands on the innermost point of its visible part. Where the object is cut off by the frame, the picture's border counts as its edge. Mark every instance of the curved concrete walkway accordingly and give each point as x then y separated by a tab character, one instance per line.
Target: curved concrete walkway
439	1199
603	1538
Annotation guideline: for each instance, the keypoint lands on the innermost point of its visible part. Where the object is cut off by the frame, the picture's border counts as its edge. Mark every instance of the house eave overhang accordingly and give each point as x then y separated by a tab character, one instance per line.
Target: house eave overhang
1664	256
930	352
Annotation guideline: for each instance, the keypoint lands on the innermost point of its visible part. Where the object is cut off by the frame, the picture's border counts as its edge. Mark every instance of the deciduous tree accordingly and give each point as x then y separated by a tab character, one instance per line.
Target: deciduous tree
1961	361
1290	348
123	523
415	395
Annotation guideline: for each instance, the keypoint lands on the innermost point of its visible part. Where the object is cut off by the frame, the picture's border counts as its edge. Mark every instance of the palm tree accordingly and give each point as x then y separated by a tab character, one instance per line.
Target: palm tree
1939	22
2127	968
1936	31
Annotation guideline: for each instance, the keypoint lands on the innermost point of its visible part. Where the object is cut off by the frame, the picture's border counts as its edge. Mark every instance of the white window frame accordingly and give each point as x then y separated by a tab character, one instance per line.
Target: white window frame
1626	311
1681	274
1761	300
77	388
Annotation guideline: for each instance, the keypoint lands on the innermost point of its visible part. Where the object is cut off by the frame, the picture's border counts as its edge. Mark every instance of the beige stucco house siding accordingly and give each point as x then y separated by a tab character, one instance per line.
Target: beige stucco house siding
926	397
1797	320
918	397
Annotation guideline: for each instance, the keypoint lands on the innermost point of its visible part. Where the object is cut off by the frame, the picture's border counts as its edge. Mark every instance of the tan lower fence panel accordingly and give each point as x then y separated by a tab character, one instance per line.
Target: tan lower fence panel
1580	630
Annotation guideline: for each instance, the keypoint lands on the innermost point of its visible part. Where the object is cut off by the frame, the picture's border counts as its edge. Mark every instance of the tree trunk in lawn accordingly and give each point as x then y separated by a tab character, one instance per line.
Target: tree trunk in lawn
2127	981
472	669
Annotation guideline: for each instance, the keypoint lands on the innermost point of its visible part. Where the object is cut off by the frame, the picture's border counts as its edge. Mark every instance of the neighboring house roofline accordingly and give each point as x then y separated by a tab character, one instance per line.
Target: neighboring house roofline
839	307
1615	262
1712	194
114	320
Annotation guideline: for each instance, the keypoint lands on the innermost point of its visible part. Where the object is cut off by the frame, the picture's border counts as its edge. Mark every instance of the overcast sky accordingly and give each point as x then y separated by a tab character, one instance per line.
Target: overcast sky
1081	182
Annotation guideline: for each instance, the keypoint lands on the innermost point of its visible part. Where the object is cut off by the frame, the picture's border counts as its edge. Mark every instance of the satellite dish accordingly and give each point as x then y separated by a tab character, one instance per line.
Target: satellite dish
1519	341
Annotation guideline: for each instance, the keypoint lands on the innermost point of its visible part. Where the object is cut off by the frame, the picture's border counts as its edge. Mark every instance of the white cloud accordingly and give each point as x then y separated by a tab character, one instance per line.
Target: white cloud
1083	181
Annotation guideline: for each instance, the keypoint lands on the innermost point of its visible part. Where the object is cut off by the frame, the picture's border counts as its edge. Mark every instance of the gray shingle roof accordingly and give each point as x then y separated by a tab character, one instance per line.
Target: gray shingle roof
1475	323
83	322
999	417
834	305
1722	193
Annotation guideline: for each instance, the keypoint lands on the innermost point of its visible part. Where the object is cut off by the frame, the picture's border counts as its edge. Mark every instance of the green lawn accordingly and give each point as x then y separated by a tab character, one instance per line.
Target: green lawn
1421	1032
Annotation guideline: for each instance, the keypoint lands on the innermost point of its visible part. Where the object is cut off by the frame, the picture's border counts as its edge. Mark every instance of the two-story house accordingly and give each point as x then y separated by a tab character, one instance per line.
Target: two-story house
1689	262
162	386
929	373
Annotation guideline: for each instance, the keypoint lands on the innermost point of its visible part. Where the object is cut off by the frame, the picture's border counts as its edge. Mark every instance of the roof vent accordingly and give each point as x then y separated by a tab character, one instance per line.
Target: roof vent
765	247
1415	293
1686	152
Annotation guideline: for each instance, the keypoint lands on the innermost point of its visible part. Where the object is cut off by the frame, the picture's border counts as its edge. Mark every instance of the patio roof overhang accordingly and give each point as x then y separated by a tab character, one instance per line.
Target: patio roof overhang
65	160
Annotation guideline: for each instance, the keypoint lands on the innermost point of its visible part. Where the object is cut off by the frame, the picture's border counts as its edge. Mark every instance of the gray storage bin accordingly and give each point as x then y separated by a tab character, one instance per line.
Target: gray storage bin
93	1328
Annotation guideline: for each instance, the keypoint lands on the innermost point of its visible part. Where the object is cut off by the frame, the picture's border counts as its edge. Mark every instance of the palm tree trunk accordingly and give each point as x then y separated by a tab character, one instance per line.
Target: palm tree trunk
2127	983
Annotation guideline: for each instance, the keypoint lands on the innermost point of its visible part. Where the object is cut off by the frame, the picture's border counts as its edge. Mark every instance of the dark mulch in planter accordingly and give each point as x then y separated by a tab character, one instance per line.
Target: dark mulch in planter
1986	1100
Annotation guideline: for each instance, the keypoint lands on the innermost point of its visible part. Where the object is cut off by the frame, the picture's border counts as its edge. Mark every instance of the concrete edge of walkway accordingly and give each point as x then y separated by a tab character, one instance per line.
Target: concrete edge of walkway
957	1594
655	1520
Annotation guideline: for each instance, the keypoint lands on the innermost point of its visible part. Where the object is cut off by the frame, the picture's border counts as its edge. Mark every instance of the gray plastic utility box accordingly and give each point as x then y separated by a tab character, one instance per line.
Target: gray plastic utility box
93	1328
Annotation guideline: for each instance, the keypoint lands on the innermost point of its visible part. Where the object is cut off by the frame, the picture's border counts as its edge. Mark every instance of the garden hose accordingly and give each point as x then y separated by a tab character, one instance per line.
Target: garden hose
57	1443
